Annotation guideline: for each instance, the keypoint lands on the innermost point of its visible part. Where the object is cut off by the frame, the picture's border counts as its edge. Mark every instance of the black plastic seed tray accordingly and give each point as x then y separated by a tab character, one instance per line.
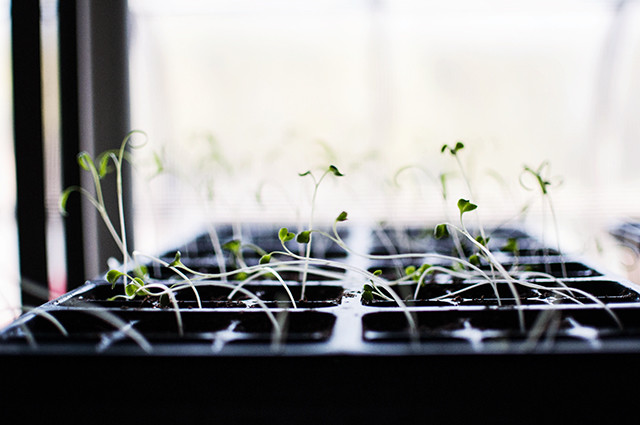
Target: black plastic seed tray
363	311
336	303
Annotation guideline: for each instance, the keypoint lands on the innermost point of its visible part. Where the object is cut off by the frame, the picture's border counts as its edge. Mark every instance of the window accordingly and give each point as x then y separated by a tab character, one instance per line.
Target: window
265	91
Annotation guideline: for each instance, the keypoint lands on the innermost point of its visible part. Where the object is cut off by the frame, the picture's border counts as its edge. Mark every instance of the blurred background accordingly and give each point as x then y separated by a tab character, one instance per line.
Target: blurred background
238	97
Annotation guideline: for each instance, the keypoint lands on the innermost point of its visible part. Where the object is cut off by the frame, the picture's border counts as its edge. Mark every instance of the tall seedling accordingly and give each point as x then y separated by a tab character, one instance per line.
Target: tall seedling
99	169
454	152
305	237
542	184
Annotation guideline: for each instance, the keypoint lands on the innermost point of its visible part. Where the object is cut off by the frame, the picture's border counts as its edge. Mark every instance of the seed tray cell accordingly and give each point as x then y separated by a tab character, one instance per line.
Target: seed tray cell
502	293
273	294
117	326
556	267
481	326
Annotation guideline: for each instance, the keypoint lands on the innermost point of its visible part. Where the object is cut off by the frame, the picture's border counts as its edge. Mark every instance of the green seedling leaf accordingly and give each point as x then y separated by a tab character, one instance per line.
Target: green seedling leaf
306	173
367	293
377	272
421	271
285	235
443	185
265	259
103	165
131	289
141	271
441	231
465	206
511	246
113	276
474	259
457	267
233	246
415	272
538	175
242	276
454	150
64	198
335	171
342	216
304	237
157	159
84	160
482	241
176	260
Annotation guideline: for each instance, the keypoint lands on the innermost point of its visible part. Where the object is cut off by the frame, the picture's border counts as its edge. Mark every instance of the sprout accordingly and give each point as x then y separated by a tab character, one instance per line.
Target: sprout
454	150
233	246
465	206
333	169
342	216
285	235
511	245
113	276
265	259
304	237
441	231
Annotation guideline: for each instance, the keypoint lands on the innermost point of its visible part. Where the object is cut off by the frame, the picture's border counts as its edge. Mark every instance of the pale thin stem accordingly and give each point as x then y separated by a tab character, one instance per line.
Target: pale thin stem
266	271
557	232
251	295
471	193
175	270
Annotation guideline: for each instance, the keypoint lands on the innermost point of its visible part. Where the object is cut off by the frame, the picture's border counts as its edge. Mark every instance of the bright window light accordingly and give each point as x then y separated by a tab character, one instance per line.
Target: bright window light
238	97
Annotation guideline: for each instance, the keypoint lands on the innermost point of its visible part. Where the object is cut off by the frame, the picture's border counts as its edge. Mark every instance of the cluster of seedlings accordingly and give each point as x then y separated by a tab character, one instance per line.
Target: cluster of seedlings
275	285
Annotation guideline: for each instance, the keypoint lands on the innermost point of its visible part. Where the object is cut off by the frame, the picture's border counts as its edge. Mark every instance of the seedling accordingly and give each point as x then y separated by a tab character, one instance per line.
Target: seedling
99	169
454	152
465	206
305	236
542	184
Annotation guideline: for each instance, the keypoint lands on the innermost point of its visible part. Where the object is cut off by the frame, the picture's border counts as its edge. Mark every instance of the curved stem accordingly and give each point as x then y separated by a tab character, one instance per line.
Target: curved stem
251	295
266	271
557	232
175	270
